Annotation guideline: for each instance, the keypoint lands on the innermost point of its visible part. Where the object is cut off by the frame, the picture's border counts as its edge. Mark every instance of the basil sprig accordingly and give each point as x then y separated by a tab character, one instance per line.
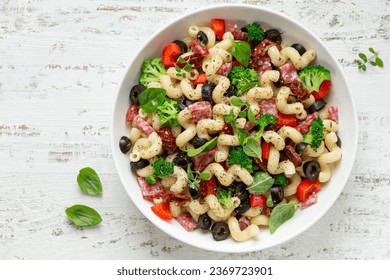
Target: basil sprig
205	147
242	52
151	98
280	214
262	182
89	181
252	148
83	216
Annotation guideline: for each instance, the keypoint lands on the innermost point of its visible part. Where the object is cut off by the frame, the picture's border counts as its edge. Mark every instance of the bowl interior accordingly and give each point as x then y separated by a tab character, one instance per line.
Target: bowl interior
340	94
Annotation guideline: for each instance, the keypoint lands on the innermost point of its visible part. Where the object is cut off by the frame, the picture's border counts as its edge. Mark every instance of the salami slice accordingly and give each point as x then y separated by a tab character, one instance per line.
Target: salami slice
288	73
142	125
202	160
132	112
224	70
200	110
268	106
304	125
186	221
333	112
150	191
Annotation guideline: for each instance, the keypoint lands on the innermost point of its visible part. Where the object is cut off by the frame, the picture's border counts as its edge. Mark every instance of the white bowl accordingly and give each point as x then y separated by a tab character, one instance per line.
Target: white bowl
340	94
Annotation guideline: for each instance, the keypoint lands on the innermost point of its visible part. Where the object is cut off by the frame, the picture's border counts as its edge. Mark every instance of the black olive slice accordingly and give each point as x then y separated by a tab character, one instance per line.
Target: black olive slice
183	102
124	144
195	194
135	165
231	91
207	91
316	106
311	169
182	160
198	141
277	194
301	49
273	35
243	207
182	45
204	221
135	92
220	231
202	37
300	147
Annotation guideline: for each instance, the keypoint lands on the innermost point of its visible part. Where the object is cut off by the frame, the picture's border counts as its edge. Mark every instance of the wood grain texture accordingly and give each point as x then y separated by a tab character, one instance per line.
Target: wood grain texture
61	63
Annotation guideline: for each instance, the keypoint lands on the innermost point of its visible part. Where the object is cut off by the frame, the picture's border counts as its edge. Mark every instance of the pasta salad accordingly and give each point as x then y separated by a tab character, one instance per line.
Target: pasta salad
230	131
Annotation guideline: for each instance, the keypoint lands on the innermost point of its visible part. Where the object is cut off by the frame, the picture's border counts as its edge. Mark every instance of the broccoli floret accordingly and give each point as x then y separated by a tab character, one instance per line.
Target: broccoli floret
243	79
151	71
280	180
224	197
168	112
262	122
312	77
237	156
315	134
255	32
162	168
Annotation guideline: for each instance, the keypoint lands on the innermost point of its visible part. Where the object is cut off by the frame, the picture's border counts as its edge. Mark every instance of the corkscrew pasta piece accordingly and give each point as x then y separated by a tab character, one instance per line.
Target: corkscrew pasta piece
276	167
181	180
211	64
189	91
260	220
198	208
291	188
252	212
175	209
325	159
135	134
291	133
242	235
184	119
330	126
274	138
218	211
210	36
280	58
284	107
173	89
223	84
226	178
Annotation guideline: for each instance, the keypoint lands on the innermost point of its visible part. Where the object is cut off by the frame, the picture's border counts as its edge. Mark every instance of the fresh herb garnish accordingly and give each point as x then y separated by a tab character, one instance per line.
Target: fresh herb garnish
224	197
252	148
89	181
242	52
238	156
204	148
151	98
262	182
194	177
280	214
151	179
162	168
374	60
83	216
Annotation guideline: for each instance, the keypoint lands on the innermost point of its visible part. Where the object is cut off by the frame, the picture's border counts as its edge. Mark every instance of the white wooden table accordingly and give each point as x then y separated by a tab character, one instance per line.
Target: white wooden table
61	63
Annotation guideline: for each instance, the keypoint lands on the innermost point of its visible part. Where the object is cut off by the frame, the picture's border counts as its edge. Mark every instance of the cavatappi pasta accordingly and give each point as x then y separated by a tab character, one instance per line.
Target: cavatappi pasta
230	126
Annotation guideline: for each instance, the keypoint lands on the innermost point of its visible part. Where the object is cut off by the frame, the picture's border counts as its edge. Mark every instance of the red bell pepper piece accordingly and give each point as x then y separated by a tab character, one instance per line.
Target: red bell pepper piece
324	89
162	210
265	147
218	26
257	200
201	79
286	120
170	54
306	188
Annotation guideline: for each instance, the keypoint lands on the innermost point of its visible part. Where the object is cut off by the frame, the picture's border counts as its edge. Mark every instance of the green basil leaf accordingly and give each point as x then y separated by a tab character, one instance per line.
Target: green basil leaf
89	181
242	114
242	52
251	116
379	62
151	98
205	176
83	216
252	148
230	118
280	214
206	147
372	50
262	182
235	101
363	57
242	136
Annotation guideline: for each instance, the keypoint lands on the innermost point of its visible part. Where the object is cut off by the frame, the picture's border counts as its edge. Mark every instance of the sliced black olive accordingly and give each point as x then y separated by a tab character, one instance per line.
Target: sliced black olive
300	147
231	91
277	194
278	83
311	169
195	194
240	190
182	45
243	207
207	91
183	102
301	49
135	165
244	29
338	141
220	231
182	160
204	221
198	141
273	35
135	92
202	37
124	144
316	106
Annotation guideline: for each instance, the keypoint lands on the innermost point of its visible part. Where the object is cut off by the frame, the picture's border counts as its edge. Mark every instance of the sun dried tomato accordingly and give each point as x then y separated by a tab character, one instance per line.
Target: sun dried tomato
168	139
